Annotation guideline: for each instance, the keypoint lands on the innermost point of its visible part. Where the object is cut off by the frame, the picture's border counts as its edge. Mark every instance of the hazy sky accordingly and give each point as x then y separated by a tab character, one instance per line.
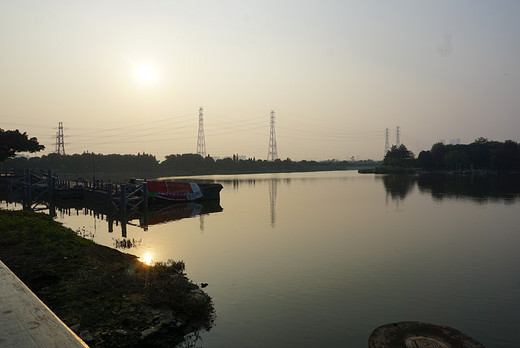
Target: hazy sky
129	76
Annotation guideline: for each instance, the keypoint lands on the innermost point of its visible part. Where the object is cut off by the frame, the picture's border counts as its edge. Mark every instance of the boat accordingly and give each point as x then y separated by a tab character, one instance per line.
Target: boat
179	191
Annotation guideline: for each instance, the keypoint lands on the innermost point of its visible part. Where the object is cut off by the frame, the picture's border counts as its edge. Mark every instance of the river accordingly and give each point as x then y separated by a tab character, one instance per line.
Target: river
322	259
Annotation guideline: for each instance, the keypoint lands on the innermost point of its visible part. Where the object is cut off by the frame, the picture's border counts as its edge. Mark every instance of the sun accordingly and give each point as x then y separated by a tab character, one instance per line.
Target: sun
145	74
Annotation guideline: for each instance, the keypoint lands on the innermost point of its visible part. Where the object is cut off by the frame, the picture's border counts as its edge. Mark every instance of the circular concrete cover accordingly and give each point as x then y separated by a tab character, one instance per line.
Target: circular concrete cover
424	342
413	334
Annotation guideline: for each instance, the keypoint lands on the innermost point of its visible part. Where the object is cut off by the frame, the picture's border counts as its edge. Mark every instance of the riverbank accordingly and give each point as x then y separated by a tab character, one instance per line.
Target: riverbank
109	298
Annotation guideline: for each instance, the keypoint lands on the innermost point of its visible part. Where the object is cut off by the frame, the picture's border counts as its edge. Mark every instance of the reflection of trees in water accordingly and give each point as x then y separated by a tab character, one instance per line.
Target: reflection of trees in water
83	232
251	182
399	185
272	184
477	188
127	243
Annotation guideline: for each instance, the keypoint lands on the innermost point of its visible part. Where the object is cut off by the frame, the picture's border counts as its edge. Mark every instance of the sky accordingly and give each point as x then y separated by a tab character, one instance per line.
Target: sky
130	76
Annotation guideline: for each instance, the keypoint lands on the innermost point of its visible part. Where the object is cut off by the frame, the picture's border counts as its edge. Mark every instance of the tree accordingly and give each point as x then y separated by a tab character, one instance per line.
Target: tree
399	157
13	142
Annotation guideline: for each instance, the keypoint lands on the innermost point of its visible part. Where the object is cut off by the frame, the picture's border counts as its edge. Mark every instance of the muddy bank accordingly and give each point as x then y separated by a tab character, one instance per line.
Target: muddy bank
109	298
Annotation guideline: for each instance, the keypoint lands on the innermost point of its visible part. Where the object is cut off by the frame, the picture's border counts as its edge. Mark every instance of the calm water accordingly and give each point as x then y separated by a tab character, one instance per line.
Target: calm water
322	259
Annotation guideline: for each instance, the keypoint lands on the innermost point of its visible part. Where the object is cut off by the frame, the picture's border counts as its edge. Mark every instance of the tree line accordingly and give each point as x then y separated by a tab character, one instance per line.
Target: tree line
178	164
142	164
482	154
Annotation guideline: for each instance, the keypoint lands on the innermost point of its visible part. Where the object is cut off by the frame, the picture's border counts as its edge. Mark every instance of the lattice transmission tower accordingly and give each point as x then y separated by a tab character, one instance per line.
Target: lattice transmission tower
60	143
273	152
201	142
397	136
387	142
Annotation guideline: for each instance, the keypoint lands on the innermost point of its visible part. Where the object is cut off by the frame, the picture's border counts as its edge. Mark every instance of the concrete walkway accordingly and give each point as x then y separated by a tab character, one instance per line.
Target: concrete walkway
25	321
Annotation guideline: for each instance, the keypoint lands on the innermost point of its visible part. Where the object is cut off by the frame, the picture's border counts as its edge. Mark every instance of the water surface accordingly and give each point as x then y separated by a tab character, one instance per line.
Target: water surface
322	259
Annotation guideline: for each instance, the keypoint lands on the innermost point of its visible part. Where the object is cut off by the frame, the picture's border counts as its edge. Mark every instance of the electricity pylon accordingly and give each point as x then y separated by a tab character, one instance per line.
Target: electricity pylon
60	143
273	152
201	142
387	142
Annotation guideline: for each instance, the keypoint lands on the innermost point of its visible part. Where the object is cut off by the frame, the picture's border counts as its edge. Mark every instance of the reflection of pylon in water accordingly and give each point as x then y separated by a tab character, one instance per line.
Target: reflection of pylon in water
201	223
272	200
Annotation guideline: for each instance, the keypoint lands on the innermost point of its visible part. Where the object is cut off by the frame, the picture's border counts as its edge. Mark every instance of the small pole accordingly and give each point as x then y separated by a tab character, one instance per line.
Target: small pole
28	188
145	196
109	195
123	200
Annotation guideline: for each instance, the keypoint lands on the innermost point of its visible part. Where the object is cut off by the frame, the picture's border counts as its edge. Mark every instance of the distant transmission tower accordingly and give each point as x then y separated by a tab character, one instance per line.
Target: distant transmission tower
398	136
201	143
60	143
273	152
387	142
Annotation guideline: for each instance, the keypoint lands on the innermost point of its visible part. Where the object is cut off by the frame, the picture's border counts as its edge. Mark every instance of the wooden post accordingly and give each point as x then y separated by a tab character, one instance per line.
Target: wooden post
28	189
10	189
122	208
110	223
50	183
145	197
123	226
109	195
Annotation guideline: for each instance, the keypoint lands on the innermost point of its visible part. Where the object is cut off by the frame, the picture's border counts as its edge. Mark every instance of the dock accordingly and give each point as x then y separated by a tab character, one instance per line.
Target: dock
25	321
42	188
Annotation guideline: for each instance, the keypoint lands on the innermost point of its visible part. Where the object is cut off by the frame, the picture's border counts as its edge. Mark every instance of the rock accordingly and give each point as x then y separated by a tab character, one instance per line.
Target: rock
122	332
86	336
198	294
148	332
75	328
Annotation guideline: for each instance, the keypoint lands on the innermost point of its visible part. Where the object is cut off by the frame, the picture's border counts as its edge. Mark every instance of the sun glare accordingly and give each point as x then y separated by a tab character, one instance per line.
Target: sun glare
145	74
147	259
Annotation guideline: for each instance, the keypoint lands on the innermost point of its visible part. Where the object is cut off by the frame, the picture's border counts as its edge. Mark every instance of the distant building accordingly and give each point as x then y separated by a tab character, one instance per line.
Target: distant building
455	141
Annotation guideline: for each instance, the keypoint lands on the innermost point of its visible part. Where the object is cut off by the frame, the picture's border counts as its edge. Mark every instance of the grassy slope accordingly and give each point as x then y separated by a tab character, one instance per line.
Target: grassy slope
113	296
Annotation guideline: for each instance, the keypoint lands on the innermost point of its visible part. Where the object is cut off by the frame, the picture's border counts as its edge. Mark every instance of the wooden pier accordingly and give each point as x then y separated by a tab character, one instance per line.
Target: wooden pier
26	321
42	188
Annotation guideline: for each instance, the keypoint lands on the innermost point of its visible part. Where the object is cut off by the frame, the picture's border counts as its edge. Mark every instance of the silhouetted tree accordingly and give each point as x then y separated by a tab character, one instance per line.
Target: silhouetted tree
481	154
13	142
399	157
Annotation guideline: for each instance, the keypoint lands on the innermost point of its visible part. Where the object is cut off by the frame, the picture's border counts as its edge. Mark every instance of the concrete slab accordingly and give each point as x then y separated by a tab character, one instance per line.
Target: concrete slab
25	321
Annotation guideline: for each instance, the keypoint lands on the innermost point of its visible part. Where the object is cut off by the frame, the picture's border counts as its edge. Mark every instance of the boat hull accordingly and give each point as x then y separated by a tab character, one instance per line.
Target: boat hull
182	192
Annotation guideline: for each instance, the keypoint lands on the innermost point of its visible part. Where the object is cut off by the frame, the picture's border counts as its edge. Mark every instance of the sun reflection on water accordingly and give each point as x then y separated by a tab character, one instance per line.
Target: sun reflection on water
147	259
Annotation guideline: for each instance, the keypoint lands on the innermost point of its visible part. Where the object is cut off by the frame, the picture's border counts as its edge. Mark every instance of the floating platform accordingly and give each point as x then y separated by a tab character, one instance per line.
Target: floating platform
414	334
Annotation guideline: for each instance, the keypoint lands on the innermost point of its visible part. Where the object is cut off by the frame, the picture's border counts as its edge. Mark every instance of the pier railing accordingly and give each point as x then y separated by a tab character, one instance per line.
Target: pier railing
41	188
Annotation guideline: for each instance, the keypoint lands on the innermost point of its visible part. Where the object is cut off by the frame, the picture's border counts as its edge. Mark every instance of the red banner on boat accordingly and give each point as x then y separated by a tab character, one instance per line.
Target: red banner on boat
175	191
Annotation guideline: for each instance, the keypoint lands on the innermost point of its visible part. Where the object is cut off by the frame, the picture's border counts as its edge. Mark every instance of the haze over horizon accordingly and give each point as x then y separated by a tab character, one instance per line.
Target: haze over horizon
130	76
